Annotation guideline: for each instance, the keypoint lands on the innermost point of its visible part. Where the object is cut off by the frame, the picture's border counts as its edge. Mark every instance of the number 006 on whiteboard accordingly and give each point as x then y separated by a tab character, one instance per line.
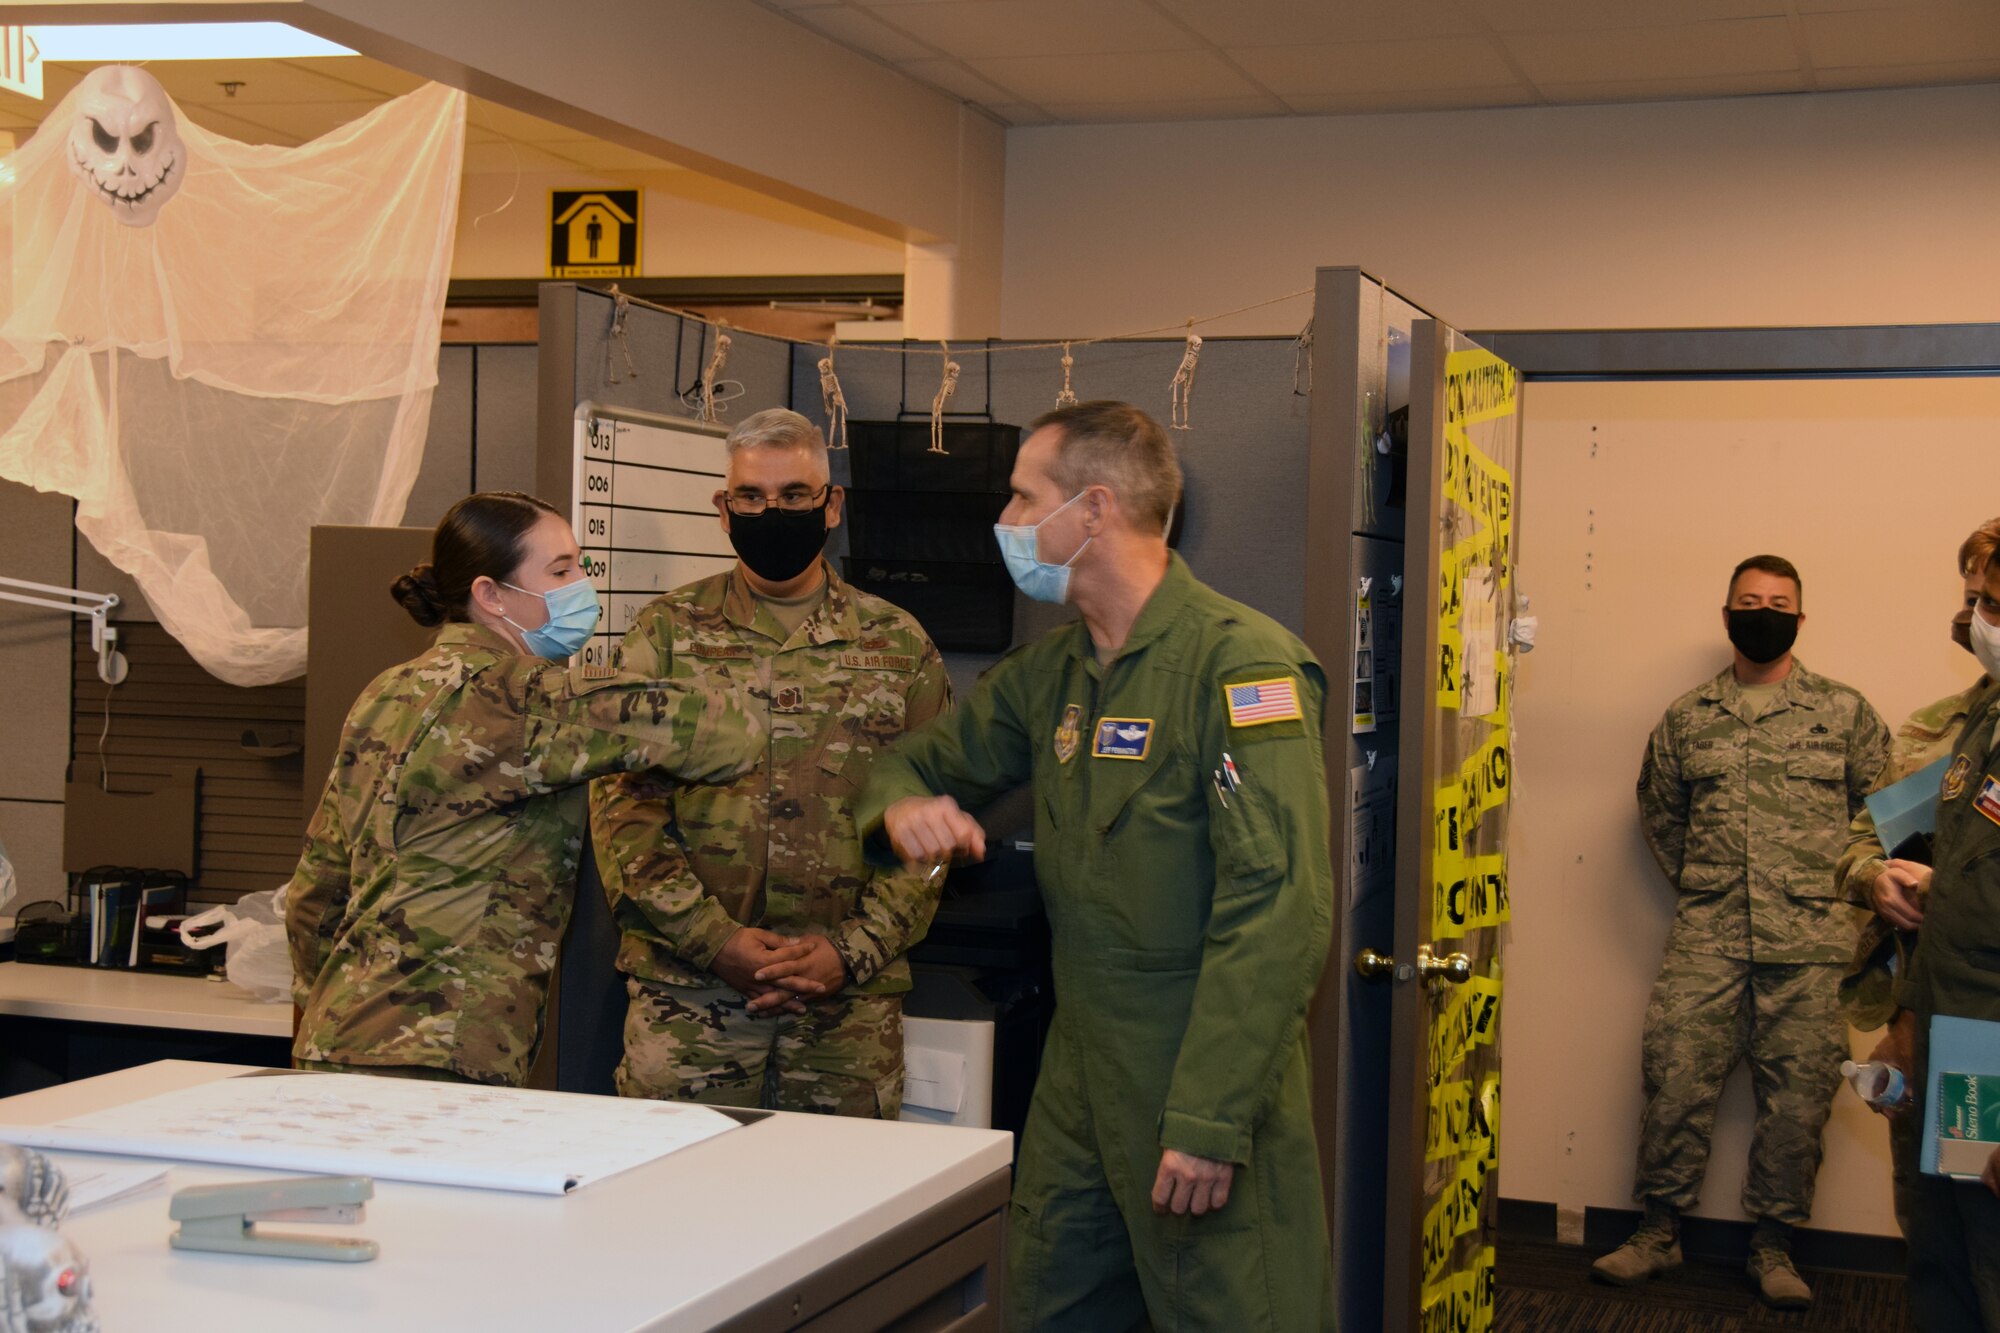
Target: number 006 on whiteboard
644	513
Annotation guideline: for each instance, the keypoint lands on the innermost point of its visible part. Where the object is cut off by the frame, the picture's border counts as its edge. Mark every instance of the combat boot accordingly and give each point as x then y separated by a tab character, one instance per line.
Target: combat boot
1778	1282
1654	1249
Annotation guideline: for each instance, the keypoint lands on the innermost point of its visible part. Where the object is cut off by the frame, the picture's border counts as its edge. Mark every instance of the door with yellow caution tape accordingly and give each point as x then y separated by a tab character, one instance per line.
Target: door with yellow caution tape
1454	800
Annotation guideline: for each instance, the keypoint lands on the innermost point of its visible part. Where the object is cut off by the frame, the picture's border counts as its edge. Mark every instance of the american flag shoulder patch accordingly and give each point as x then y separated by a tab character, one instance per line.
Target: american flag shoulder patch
1252	703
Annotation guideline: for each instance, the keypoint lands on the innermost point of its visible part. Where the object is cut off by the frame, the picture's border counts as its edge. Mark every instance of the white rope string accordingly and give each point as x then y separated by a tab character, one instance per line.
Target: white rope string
1066	396
832	400
716	361
946	388
995	349
1182	389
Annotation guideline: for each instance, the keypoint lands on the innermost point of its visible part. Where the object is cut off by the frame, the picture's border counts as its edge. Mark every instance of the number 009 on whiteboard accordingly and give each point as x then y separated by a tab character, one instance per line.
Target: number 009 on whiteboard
644	511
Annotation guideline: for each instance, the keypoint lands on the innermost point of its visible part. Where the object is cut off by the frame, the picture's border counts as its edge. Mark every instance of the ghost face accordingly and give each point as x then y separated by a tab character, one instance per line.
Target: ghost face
125	145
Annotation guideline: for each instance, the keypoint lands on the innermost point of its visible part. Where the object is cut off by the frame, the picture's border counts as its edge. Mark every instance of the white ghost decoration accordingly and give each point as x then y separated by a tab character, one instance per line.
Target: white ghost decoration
125	144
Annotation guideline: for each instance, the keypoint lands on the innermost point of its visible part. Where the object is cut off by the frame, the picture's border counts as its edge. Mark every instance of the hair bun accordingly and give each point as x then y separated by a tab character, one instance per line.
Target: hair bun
418	593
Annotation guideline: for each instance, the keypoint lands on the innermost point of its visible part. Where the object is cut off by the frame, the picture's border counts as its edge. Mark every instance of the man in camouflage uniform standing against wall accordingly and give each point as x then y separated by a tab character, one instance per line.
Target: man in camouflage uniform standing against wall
763	955
1746	792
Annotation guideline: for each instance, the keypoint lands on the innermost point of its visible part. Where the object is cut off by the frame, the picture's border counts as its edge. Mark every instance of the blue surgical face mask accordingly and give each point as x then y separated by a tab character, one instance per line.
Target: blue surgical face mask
572	620
1033	576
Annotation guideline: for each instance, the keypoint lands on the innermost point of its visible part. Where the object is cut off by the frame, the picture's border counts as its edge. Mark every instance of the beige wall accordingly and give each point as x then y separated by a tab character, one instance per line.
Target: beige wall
1679	481
695	226
1847	208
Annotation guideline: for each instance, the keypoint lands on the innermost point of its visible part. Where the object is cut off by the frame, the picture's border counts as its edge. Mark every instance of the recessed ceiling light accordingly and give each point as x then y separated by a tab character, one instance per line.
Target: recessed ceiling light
99	42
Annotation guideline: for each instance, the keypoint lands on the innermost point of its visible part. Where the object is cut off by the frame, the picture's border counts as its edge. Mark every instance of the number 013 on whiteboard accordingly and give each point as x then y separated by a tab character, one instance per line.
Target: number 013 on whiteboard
644	510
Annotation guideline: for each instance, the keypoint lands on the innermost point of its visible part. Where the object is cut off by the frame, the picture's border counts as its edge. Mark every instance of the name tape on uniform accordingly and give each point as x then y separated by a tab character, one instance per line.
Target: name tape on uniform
1122	738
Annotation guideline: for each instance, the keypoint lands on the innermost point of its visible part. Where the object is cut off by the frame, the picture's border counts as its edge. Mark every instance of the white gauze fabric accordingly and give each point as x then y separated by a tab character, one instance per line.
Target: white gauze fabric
215	345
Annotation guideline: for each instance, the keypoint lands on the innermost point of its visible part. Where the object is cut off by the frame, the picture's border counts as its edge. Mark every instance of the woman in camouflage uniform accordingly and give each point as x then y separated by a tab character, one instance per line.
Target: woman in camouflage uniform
437	875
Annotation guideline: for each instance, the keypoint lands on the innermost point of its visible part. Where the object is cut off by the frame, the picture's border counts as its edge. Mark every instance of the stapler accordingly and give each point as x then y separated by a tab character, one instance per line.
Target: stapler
224	1217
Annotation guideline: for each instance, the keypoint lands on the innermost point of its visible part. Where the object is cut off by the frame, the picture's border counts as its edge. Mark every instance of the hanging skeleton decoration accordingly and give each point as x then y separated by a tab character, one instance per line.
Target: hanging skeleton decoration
832	400
125	144
1182	389
946	388
1066	396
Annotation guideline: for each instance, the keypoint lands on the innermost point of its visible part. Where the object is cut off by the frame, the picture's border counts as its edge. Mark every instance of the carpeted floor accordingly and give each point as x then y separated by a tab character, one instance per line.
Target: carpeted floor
1546	1288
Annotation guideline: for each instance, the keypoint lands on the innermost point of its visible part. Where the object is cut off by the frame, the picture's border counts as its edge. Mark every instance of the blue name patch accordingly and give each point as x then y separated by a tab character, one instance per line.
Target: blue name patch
1122	738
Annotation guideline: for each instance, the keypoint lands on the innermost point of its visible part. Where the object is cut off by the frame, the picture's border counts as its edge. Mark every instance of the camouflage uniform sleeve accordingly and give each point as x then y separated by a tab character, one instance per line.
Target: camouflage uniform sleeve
1867	755
581	723
648	882
1663	801
1862	862
316	899
894	909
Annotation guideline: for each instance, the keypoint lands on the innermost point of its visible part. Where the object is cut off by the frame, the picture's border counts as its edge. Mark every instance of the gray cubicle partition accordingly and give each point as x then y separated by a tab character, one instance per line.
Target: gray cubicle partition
1245	459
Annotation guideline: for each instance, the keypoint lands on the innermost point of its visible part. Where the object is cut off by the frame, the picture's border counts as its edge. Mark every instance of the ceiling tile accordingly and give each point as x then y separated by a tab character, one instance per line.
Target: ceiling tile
263	81
361	72
1317	22
1676	89
507	158
297	120
237	128
1020	113
1910	76
511	124
1841	6
603	156
1584	15
951	77
982	29
1133	77
1228	108
1689	50
860	31
1432	62
1912	35
1361	101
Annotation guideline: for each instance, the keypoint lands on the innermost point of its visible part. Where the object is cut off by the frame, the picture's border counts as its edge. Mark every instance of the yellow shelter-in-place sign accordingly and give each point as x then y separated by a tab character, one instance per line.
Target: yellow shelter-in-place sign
594	233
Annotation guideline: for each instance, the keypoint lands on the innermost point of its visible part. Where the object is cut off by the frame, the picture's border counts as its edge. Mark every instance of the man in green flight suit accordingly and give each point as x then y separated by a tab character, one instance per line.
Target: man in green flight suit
1954	1225
1168	1168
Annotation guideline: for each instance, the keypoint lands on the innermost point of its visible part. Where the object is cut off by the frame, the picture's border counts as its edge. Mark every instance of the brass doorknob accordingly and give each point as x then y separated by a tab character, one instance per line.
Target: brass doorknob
1372	966
1455	967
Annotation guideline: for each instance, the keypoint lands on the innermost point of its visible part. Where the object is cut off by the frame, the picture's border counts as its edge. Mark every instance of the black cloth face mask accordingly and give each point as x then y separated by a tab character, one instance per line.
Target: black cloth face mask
779	544
1763	635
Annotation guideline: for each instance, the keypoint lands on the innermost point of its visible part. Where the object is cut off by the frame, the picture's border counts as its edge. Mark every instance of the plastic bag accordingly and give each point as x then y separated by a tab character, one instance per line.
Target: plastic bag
259	958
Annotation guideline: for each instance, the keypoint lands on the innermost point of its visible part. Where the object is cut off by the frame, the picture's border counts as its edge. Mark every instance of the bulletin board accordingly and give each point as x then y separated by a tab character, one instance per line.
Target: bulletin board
644	511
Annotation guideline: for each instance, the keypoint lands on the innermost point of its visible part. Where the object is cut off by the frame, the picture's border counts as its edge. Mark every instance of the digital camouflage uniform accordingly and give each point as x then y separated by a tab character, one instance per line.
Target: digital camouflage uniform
683	869
1954	1226
1189	929
1926	736
1747	815
426	910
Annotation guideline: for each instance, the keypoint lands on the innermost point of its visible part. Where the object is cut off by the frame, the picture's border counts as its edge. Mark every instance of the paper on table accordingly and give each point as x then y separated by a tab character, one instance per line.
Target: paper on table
353	1124
93	1181
934	1079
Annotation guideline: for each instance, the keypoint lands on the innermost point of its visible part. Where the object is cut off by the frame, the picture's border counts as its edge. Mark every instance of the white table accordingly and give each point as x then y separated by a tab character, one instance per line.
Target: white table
137	999
797	1221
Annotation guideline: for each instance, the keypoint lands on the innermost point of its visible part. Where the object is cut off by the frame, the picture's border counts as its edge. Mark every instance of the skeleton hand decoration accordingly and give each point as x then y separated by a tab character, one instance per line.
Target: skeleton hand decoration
126	145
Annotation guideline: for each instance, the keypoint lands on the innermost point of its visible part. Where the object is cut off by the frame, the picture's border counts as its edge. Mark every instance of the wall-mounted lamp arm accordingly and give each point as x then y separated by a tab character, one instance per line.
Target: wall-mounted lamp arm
98	606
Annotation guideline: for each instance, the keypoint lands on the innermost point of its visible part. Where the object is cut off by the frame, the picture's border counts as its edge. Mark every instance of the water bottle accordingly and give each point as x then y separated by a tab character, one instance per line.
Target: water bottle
1875	1083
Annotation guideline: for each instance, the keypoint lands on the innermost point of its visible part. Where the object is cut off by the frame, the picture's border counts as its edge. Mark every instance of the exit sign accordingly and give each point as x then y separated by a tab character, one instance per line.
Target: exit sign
21	62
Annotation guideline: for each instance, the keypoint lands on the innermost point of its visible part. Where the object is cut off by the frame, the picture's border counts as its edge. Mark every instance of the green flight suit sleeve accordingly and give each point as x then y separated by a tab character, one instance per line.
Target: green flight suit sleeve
317	897
1269	926
1664	801
894	909
648	882
971	754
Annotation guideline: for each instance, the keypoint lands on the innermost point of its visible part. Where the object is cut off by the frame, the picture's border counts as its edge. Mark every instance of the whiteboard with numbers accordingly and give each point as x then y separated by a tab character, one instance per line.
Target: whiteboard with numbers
645	517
